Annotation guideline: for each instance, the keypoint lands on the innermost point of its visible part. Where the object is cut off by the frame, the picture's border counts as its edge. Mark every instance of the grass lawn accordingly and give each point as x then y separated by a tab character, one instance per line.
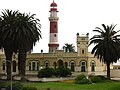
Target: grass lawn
107	85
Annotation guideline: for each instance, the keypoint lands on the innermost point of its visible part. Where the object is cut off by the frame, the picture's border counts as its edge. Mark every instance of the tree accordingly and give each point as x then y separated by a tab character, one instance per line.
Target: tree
7	24
20	32
106	45
69	47
28	34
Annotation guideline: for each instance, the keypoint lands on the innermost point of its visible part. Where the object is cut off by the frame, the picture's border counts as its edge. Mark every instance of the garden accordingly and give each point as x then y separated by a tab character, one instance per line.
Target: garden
79	83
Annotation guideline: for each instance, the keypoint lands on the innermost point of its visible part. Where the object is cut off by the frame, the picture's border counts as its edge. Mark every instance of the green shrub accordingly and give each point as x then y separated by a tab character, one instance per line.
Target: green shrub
102	77
81	79
95	79
16	86
58	72
62	72
46	72
29	88
84	81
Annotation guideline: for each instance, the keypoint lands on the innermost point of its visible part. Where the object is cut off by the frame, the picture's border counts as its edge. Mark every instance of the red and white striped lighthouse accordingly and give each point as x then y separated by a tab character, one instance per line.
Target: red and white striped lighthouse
53	42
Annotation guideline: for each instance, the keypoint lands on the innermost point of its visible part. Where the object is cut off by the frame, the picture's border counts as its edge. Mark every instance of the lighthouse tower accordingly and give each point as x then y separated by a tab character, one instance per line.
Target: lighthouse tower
53	41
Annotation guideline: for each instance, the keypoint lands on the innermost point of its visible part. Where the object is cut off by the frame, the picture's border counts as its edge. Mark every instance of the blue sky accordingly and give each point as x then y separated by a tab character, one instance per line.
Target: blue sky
75	16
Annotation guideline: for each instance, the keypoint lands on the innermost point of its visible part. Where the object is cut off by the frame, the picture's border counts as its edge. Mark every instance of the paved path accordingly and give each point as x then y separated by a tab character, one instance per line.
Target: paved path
43	79
116	79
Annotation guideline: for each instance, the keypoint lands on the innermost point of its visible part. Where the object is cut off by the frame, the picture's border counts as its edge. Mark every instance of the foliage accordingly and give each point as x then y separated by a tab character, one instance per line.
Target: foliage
16	86
81	79
46	72
102	77
62	71
96	79
107	45
69	47
19	32
29	88
58	72
84	81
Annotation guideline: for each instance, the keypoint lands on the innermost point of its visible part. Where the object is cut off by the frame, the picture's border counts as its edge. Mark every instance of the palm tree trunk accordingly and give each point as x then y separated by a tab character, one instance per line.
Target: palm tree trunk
19	64
108	70
8	55
22	64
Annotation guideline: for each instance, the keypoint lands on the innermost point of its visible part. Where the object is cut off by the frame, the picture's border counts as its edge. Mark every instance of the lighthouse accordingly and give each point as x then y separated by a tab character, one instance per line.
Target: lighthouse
53	39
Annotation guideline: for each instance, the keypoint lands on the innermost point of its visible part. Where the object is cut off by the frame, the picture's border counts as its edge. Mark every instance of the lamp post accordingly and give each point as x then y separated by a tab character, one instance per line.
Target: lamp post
11	74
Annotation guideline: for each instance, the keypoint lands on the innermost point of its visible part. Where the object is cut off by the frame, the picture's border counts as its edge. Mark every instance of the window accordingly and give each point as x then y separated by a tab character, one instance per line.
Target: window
3	68
55	35
82	38
30	66
92	66
83	66
33	66
46	64
14	66
60	63
72	65
83	51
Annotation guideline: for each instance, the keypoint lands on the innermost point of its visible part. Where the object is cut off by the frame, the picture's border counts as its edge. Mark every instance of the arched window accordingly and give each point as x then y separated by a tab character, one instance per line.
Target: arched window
3	66
60	63
14	66
92	65
83	51
47	64
33	65
72	65
83	66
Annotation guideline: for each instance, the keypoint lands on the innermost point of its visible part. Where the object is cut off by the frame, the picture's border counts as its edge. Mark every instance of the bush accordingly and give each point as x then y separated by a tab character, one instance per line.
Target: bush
96	79
81	79
62	72
16	86
49	72
84	81
29	88
46	72
102	77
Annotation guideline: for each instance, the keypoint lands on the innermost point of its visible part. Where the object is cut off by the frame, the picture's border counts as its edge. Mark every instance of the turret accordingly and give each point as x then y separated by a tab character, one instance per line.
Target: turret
82	44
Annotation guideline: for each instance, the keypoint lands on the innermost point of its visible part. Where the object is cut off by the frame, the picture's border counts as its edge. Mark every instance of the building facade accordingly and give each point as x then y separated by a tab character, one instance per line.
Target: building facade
79	62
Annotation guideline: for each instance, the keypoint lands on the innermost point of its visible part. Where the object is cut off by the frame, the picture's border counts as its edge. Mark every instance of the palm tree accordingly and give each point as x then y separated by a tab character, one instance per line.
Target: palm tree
28	33
69	47
7	24
106	45
20	32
